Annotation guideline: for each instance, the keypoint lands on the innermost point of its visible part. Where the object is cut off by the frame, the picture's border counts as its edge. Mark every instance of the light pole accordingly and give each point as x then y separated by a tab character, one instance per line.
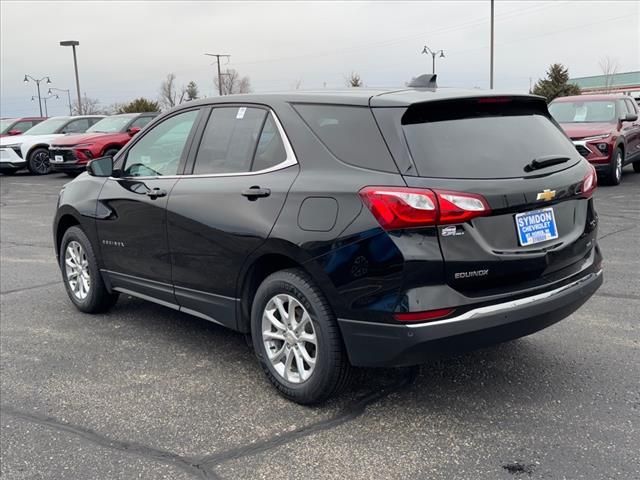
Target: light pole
73	44
433	56
62	90
26	80
46	111
491	61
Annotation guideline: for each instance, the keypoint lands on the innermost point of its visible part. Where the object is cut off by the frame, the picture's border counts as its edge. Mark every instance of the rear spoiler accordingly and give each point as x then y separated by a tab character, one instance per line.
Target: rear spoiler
473	107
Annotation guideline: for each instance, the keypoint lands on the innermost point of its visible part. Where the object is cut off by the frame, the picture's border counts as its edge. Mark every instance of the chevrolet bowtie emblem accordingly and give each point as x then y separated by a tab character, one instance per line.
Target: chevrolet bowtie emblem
546	195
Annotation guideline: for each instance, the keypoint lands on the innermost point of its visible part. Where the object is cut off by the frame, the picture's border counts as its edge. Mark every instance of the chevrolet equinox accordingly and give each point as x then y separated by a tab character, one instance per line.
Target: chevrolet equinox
354	228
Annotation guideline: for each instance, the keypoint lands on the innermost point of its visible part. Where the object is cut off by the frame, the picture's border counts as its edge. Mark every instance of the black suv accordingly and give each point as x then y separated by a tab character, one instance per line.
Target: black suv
340	229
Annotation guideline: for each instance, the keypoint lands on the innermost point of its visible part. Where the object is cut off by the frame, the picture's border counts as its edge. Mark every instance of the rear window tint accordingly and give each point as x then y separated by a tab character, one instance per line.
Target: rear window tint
350	133
483	143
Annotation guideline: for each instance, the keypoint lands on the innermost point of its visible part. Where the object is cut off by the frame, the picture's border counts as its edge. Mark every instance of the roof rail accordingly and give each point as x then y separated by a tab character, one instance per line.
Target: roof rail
424	81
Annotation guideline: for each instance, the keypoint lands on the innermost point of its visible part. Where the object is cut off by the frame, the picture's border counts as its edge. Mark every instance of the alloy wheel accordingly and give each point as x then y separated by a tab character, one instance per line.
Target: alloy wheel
289	338
40	163
618	171
77	270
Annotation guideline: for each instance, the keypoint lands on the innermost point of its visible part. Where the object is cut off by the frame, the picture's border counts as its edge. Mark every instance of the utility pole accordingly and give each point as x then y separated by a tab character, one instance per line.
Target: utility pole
73	44
218	55
491	67
433	57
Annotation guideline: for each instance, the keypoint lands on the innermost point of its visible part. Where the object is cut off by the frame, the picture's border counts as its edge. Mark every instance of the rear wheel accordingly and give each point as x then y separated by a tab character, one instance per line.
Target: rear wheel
296	338
38	162
615	167
81	274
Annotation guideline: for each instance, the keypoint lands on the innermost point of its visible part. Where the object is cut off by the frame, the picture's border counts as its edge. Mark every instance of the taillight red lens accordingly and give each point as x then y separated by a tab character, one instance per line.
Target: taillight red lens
590	182
405	207
423	316
400	207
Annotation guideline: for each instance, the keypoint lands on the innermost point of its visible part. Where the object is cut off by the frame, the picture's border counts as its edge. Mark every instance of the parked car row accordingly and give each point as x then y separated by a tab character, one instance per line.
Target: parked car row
604	129
17	126
66	144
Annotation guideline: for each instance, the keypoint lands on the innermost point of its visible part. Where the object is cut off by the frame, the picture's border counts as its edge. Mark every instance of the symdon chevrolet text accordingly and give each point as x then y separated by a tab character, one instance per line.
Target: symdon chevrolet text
350	228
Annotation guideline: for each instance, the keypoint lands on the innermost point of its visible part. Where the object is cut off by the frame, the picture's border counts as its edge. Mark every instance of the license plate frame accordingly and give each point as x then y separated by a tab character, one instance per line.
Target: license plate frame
58	159
543	227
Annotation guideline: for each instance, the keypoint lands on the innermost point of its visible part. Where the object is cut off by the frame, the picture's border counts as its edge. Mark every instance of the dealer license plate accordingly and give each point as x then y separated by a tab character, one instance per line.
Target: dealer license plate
536	226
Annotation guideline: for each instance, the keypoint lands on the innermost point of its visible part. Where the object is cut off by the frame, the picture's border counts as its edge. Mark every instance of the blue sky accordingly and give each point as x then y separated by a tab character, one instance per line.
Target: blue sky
126	49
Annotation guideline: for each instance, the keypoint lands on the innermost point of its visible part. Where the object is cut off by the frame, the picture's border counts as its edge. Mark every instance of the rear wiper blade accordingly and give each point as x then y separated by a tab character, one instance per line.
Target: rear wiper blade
544	162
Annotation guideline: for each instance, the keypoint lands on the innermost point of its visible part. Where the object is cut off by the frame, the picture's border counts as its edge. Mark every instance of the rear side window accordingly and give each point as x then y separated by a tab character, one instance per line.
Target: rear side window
270	150
459	141
350	133
229	140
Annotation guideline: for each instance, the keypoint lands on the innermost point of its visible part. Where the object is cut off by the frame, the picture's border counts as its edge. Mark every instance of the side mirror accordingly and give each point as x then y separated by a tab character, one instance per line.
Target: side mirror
133	130
629	117
14	132
100	167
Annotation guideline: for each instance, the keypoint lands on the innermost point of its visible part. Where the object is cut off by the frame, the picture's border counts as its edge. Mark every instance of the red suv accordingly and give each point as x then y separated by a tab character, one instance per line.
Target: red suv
17	126
604	129
70	154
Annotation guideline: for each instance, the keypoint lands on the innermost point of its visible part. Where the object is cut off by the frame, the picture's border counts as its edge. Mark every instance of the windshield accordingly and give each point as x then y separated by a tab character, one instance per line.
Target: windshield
110	124
48	126
5	124
583	112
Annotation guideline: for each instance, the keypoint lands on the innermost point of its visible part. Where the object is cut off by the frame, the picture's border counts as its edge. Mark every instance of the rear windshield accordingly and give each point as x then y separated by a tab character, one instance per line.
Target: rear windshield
483	144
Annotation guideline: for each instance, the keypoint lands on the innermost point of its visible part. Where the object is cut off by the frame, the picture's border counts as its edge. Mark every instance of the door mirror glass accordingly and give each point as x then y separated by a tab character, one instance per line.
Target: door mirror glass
133	130
100	167
14	132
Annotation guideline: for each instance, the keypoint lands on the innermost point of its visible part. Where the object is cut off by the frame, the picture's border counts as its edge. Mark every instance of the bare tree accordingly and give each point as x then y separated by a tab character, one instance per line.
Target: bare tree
354	80
609	67
88	106
169	95
232	83
297	84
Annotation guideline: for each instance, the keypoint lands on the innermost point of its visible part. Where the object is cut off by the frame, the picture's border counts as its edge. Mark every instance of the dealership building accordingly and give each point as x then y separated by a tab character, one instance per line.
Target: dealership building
627	83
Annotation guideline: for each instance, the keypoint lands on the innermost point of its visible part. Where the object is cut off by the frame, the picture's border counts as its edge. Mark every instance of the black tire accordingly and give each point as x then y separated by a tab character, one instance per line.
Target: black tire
98	298
614	175
332	371
111	152
636	166
38	161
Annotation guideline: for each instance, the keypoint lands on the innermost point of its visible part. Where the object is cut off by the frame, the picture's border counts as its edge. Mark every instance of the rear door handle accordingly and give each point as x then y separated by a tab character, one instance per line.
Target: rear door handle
155	193
256	192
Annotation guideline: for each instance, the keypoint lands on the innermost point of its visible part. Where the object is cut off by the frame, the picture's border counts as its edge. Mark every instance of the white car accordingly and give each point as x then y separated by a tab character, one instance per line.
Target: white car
31	149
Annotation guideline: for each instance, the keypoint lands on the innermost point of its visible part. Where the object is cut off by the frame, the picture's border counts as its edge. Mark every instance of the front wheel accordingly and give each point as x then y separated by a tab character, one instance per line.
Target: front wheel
615	168
111	152
296	338
81	274
38	162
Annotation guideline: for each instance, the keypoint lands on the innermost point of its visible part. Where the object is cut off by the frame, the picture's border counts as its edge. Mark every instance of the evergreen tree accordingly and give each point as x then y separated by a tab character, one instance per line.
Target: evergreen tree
556	84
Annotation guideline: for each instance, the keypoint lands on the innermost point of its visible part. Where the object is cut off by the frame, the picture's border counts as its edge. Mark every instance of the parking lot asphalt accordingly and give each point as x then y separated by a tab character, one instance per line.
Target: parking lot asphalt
147	392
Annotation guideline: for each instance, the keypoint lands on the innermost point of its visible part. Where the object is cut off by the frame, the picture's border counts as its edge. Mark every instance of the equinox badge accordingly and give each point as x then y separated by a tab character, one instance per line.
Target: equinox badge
546	195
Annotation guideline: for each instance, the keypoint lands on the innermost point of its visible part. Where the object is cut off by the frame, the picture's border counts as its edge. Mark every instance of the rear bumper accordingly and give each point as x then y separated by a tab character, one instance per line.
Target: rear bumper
386	345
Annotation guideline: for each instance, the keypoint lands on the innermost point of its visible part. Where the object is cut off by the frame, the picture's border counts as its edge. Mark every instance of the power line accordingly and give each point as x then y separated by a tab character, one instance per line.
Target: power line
218	55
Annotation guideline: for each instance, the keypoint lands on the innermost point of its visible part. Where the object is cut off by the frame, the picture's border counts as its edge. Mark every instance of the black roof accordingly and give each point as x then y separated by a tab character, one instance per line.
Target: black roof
358	96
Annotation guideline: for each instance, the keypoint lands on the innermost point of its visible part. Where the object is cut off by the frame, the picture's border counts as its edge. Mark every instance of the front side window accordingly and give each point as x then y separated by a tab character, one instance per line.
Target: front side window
76	126
22	126
160	150
140	122
229	140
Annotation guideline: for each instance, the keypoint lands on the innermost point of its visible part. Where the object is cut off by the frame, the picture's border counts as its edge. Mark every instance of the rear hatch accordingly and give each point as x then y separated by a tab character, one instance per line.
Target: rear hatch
538	222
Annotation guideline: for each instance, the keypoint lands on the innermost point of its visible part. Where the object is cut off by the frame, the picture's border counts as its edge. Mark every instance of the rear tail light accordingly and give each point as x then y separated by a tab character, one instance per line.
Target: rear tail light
423	316
589	183
404	207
